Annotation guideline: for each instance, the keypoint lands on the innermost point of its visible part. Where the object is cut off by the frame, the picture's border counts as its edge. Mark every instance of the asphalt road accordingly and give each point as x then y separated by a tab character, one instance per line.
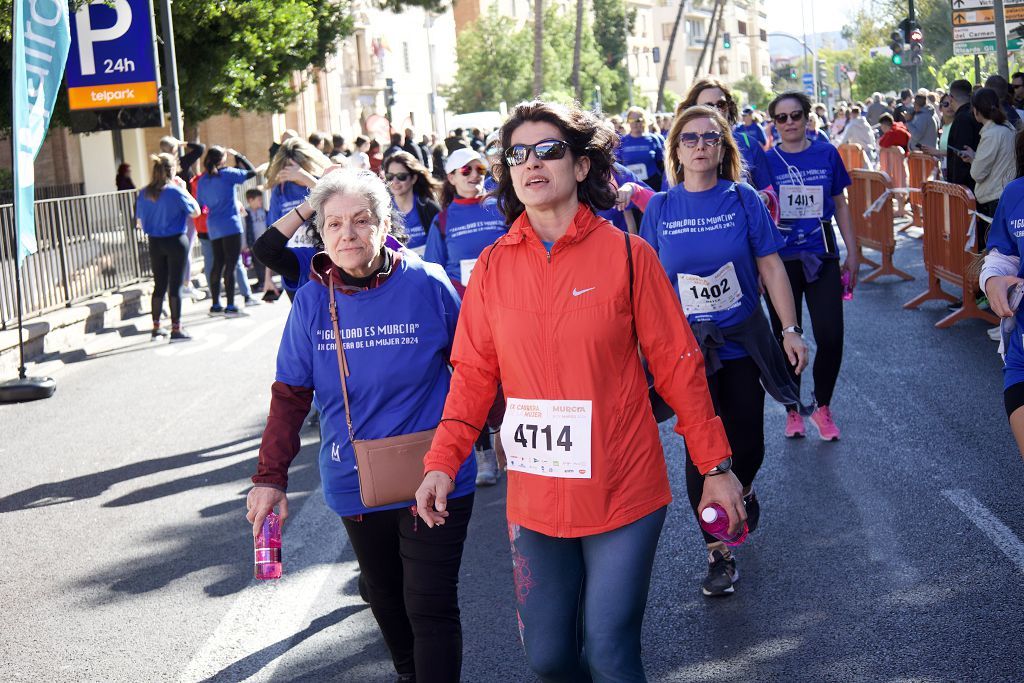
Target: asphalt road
892	555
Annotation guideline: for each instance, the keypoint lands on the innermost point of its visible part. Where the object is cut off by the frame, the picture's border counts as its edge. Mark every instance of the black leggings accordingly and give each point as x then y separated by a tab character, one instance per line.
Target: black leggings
226	251
825	303
739	400
411	575
167	256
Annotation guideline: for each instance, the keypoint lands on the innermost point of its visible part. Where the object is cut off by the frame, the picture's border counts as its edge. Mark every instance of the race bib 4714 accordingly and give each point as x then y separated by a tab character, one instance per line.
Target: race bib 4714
548	438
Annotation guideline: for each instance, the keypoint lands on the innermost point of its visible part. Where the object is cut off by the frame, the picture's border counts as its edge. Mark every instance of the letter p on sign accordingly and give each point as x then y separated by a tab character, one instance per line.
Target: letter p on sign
87	35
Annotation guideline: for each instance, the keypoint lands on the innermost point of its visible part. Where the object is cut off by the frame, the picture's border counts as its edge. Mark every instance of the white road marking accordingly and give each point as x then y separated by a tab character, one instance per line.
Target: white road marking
267	614
251	336
997	532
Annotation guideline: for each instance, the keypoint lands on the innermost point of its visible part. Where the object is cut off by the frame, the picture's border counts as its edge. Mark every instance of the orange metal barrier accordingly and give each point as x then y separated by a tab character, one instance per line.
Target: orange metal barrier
948	248
921	168
853	156
871	211
893	161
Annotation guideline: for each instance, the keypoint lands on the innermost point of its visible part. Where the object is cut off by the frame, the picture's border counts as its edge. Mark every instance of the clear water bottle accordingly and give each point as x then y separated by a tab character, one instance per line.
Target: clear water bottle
715	521
268	549
847	289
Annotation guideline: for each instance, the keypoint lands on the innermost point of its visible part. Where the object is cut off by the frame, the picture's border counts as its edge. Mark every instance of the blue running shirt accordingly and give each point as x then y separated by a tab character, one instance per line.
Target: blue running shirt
1007	235
640	155
471	226
715	235
217	194
168	215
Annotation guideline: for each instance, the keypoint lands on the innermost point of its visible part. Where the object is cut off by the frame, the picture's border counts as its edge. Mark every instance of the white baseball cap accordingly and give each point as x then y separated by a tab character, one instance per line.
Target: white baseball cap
461	157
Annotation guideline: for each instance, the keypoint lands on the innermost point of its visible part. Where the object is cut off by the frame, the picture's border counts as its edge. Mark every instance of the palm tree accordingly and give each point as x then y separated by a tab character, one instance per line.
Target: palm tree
576	84
668	56
538	47
715	14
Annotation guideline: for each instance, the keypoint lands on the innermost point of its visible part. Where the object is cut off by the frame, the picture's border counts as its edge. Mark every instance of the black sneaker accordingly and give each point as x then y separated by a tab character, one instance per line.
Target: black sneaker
722	574
234	312
216	310
180	336
753	507
270	296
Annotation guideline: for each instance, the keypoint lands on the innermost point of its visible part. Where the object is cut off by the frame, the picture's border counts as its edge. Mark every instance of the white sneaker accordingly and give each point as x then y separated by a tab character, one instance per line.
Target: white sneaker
487	472
995	334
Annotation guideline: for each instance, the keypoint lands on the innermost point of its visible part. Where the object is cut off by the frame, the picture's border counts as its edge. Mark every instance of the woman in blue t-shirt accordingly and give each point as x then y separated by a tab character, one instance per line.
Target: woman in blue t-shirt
163	209
396	318
414	192
293	172
216	191
640	151
716	240
469	222
1001	275
810	180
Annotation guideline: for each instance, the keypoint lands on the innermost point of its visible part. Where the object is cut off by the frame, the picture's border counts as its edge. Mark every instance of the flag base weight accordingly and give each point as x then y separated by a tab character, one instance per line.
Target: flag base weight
27	389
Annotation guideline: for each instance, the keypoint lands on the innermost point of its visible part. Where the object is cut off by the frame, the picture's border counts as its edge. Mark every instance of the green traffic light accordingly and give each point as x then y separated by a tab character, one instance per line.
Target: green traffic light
897	60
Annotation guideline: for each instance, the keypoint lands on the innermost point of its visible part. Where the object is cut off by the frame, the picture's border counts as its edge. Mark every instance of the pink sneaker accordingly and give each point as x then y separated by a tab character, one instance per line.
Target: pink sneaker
795	425
822	420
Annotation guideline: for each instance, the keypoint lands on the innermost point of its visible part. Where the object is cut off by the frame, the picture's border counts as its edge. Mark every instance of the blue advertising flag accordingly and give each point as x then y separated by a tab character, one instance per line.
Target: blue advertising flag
41	41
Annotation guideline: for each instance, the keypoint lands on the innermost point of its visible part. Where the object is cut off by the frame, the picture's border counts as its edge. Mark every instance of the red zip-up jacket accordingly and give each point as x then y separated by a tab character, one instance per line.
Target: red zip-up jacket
561	326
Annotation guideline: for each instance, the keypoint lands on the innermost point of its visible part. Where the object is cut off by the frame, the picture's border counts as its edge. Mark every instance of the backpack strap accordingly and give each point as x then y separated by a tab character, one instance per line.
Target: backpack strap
442	221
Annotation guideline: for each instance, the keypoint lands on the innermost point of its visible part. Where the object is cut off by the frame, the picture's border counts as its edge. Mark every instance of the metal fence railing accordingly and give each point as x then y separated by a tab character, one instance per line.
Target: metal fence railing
47	192
87	245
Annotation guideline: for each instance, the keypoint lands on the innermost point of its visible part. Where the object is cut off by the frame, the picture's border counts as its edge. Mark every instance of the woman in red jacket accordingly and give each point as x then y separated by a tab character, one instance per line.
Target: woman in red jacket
555	313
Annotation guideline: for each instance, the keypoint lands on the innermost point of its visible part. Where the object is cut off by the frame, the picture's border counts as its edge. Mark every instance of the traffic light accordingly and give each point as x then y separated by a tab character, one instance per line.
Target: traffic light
389	92
897	47
916	44
822	79
792	73
726	41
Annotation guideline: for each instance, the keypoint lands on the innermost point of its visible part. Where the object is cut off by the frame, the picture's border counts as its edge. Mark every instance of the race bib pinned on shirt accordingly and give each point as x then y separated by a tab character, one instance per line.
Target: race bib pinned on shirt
714	294
548	438
639	170
466	267
801	201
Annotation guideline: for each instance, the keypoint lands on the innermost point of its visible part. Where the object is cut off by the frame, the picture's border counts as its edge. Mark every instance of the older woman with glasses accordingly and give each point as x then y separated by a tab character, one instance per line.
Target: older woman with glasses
410	573
811	181
640	151
555	312
414	192
469	222
717	270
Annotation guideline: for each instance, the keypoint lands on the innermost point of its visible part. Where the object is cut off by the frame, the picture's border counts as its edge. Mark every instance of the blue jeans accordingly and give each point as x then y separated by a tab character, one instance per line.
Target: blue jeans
581	601
241	279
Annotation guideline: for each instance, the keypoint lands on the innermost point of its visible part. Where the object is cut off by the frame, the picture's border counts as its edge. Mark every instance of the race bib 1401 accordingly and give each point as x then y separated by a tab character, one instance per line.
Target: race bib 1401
548	438
713	294
801	201
639	170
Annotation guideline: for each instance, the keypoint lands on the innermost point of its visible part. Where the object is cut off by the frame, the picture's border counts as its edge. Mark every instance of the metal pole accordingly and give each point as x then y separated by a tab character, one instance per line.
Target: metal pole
171	69
977	68
14	200
913	67
1002	63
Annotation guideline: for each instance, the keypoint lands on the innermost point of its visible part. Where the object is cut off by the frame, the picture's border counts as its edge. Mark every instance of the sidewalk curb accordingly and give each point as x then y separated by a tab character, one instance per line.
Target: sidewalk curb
66	329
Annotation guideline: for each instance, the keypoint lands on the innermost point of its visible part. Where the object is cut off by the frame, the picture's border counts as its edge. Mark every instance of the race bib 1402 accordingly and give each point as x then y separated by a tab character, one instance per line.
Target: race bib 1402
548	438
713	294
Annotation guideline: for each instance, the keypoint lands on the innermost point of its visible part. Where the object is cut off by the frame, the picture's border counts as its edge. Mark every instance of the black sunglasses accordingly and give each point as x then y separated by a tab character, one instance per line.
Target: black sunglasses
795	117
710	139
546	150
400	177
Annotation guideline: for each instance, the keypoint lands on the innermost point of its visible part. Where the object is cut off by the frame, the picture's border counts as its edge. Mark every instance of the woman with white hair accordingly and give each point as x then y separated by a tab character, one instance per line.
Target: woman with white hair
395	317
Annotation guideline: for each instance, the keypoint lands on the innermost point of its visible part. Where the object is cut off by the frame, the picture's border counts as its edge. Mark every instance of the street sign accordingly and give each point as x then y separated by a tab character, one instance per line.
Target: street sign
852	75
808	80
112	62
974	29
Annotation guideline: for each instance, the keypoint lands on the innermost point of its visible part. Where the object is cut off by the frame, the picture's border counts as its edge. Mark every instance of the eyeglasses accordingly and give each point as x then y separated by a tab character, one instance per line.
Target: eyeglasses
400	177
634	119
493	150
943	104
469	169
546	150
710	139
796	116
1017	85
721	105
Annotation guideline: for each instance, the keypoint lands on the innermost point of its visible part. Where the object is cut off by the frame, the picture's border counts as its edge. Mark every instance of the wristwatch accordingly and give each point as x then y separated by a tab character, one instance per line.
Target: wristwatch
720	468
793	328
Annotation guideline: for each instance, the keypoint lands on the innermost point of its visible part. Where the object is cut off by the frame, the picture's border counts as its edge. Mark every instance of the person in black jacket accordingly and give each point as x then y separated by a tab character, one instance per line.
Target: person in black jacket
414	194
965	131
188	153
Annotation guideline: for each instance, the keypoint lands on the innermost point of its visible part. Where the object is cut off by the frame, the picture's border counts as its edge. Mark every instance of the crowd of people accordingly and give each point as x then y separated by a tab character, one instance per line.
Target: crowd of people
486	290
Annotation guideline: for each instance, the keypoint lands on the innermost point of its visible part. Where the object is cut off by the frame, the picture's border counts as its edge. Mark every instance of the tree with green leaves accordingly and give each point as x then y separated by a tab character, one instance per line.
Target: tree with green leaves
756	95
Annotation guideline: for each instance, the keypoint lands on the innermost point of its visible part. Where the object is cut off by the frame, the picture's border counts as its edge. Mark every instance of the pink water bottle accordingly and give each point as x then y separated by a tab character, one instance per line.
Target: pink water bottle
847	289
715	521
268	549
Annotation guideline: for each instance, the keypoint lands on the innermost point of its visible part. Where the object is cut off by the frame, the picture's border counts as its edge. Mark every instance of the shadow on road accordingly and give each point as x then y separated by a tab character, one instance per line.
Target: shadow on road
92	485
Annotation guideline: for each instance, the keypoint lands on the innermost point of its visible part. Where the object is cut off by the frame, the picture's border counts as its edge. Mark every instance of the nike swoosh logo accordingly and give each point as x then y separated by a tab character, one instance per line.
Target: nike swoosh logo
578	292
